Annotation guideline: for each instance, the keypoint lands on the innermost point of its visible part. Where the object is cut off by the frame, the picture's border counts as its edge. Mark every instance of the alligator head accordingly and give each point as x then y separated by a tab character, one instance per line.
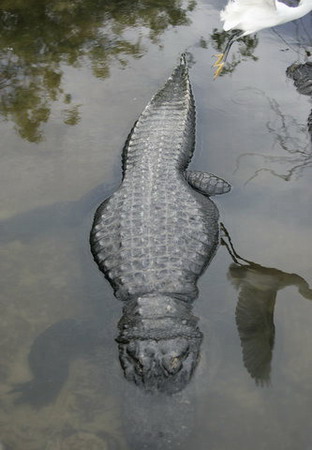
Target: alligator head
159	343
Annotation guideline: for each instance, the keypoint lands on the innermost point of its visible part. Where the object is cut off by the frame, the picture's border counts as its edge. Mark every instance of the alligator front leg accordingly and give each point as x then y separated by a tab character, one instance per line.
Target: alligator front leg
207	183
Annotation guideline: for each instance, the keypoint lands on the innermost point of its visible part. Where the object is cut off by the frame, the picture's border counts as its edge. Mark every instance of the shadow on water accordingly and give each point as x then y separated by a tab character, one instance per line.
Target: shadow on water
258	287
38	37
160	420
157	422
48	220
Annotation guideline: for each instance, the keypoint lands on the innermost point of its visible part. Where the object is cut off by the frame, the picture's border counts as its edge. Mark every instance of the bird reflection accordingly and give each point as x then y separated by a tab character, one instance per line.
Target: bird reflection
257	288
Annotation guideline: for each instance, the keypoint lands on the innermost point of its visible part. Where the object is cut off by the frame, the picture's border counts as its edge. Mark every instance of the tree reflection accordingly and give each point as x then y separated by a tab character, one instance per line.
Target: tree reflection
288	135
38	36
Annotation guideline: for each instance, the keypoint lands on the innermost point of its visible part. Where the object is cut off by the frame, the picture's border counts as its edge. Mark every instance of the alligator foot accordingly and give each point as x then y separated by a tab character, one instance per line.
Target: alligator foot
207	183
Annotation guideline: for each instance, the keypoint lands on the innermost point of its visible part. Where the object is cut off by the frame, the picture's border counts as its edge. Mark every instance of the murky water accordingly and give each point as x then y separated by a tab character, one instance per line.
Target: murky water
74	78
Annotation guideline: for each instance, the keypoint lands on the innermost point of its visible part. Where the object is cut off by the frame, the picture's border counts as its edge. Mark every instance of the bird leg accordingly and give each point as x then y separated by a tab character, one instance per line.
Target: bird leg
227	242
219	64
222	57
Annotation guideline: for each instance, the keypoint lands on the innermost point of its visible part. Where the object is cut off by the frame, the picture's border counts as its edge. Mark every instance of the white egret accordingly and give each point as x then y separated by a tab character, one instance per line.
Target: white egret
250	16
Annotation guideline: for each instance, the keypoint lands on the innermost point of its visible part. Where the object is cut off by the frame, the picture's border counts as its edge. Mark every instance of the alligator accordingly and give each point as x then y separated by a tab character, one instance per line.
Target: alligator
155	235
302	76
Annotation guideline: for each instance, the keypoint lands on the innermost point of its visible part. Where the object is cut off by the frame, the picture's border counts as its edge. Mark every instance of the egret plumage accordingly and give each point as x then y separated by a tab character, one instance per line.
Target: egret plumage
250	16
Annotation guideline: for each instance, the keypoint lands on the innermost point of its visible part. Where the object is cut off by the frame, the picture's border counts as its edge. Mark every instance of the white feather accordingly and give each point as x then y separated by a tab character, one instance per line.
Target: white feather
251	16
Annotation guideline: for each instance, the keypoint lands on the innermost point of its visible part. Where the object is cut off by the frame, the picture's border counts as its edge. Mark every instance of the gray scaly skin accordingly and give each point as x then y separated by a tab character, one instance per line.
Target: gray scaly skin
302	76
154	237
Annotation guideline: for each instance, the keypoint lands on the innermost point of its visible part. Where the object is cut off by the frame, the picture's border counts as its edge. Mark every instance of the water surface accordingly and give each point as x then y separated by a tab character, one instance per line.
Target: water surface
74	78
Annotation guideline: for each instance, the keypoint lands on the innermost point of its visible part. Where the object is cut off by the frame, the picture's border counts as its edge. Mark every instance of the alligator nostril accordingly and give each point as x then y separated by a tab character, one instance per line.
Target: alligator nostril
172	364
